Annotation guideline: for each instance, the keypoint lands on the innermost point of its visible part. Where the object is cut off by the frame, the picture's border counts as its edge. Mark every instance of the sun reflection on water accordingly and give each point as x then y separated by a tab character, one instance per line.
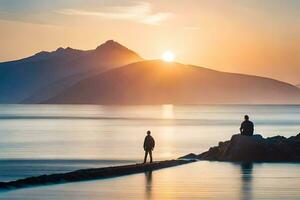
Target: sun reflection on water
167	111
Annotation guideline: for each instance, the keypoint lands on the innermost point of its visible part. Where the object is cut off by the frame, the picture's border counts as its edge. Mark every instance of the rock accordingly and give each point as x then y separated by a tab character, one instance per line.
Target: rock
190	156
254	148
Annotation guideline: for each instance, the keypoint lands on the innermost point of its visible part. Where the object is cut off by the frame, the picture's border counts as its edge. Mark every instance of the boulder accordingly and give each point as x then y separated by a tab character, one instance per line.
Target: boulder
254	148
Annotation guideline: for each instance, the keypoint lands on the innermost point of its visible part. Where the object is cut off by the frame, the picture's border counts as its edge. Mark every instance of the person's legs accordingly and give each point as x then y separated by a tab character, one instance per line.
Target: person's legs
145	158
150	153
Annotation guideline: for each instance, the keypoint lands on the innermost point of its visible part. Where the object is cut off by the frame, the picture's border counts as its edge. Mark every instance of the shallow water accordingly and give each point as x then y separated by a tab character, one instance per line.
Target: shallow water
201	180
43	139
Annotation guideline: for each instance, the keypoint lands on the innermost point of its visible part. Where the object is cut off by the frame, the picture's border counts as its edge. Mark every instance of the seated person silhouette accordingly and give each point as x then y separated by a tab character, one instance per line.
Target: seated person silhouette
247	127
149	144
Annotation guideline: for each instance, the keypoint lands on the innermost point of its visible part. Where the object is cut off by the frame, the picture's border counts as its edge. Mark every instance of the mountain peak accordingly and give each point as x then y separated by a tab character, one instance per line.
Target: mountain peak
112	49
68	49
111	44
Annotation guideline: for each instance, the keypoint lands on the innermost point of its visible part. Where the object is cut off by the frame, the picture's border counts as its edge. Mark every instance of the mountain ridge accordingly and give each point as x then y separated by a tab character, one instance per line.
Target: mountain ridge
20	79
113	74
158	82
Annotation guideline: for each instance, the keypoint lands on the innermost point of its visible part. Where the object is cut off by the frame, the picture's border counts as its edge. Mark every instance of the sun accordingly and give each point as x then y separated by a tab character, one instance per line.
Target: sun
168	56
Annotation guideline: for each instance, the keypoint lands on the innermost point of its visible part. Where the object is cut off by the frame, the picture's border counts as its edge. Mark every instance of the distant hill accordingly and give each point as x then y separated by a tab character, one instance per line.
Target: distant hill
157	82
45	74
298	85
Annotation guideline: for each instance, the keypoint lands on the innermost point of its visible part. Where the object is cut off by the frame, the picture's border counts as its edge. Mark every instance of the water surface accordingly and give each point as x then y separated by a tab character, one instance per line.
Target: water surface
201	180
44	139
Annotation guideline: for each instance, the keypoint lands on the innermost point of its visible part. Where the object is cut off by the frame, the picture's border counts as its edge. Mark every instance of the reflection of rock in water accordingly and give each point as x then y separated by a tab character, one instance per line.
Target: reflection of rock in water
148	184
246	175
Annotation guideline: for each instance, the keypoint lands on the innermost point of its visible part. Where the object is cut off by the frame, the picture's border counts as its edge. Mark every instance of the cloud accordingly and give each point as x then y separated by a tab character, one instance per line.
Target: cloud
156	18
141	12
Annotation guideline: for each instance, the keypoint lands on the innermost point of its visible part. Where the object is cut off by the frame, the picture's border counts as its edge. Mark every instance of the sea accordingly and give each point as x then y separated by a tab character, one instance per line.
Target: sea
46	139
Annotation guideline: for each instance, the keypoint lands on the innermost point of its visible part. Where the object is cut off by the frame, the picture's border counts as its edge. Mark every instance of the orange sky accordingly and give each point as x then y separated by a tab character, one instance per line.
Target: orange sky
253	37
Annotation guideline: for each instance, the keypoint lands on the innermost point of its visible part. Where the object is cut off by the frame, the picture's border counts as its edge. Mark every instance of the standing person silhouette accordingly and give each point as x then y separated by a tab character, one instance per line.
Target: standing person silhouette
247	127
149	144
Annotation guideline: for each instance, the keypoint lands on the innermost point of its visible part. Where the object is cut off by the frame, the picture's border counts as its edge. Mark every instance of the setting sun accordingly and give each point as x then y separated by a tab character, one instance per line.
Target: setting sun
168	56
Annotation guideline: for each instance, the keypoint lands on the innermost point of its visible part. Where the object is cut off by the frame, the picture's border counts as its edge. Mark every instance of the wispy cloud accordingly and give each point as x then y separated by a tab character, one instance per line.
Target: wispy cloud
141	12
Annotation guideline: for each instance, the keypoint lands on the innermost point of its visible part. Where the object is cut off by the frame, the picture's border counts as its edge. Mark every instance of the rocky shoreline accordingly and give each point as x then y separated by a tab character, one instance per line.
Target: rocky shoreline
254	148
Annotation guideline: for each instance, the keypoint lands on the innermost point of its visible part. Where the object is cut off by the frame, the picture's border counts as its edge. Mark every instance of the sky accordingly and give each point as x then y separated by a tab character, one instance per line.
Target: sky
259	37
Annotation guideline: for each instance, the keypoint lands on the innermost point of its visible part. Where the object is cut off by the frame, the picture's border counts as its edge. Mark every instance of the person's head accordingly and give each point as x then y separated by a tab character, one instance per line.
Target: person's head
148	132
246	117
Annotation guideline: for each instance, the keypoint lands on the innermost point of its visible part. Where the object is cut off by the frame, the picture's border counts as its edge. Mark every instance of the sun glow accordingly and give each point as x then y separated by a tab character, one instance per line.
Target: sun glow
168	56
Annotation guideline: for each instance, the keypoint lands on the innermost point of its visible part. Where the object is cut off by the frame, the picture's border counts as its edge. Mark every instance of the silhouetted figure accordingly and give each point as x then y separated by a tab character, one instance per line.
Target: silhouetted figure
247	127
149	144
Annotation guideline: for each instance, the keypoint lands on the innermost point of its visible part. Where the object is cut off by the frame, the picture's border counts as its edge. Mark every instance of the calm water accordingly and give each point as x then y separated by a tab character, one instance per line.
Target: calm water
41	139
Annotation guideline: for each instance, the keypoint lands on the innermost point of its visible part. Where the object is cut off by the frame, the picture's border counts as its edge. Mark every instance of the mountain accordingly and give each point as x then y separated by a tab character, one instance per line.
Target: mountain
298	85
45	74
158	82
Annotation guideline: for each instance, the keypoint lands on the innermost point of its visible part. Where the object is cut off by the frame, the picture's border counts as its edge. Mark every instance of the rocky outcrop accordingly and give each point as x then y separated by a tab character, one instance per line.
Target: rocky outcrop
254	149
